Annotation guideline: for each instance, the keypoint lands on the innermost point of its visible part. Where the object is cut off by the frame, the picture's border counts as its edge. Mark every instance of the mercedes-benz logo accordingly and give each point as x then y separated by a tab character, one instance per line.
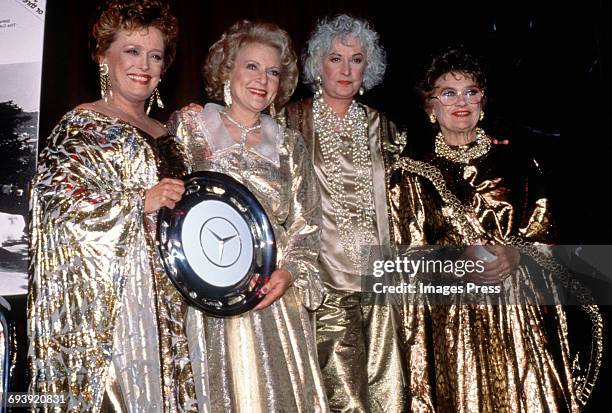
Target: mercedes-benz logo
220	242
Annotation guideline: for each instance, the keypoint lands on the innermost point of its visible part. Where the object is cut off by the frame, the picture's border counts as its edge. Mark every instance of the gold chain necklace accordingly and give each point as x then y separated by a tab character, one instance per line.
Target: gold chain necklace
355	229
463	153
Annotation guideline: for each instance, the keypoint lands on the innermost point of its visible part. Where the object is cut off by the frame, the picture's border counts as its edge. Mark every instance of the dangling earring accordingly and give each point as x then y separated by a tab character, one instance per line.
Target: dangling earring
319	91
155	96
432	118
105	84
227	93
481	115
273	110
361	90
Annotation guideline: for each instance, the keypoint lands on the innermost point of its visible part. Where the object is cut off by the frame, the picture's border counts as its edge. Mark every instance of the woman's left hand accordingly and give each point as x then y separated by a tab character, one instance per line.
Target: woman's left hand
279	282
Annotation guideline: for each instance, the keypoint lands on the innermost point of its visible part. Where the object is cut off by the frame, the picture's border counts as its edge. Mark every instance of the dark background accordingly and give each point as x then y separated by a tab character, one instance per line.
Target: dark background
547	68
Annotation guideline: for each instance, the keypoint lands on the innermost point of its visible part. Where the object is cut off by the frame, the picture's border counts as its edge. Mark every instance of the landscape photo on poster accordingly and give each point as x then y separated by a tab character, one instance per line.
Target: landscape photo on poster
21	41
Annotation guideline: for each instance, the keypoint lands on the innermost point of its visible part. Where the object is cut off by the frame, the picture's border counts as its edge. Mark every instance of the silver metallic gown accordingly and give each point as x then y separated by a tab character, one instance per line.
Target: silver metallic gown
264	361
106	326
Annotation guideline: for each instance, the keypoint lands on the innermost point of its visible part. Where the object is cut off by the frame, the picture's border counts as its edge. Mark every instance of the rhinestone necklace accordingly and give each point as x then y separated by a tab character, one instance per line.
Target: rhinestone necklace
244	131
463	153
355	229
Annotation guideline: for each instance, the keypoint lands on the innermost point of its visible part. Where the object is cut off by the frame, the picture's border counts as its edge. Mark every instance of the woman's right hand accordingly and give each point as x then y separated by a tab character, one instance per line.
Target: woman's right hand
166	193
193	107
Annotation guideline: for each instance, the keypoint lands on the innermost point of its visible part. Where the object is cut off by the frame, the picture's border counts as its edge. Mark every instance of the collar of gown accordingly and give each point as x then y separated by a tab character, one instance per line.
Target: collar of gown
271	135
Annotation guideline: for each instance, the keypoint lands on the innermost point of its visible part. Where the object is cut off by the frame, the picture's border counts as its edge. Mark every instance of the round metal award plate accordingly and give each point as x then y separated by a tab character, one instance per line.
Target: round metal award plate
217	244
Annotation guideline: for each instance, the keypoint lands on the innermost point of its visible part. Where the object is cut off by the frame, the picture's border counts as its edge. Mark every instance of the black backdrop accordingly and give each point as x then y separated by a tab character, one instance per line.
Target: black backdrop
546	69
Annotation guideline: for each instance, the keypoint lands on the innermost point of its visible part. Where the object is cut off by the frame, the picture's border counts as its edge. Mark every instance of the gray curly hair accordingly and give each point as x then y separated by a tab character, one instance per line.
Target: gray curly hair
344	26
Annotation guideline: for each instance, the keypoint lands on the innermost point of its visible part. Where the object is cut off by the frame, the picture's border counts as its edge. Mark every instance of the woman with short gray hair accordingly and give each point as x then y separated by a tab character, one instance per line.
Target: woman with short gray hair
343	27
360	351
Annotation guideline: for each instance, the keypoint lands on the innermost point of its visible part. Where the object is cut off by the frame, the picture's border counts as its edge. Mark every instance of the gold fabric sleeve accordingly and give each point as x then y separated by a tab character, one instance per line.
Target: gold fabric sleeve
302	224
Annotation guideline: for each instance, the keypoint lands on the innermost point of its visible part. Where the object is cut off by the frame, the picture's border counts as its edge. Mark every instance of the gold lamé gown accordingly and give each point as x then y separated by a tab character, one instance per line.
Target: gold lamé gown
105	324
360	347
264	360
488	358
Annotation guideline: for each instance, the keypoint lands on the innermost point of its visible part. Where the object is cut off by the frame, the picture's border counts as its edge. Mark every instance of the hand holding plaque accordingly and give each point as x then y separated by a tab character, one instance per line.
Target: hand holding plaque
217	244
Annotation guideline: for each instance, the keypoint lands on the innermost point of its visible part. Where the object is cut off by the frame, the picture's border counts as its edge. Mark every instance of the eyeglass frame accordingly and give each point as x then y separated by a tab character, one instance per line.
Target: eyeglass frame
461	94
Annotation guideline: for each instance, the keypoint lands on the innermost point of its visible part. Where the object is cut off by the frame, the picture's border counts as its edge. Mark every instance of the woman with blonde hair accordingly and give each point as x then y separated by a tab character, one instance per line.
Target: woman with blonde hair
265	359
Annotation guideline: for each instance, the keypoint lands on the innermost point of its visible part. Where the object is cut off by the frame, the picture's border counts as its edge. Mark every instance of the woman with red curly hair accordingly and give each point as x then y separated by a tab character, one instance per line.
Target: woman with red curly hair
105	324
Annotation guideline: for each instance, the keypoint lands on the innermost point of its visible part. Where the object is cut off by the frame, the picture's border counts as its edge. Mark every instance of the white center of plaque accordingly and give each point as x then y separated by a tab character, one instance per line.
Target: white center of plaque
217	243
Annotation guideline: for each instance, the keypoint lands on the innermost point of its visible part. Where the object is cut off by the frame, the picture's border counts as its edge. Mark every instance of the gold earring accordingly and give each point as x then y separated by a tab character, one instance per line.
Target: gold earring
227	93
432	118
155	96
481	115
105	84
273	110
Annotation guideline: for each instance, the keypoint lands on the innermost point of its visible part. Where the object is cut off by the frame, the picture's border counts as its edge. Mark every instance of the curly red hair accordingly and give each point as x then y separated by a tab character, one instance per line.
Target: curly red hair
132	15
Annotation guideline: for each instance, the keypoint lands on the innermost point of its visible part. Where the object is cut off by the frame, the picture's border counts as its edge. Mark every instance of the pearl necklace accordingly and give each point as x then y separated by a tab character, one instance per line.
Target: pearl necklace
330	129
463	153
244	131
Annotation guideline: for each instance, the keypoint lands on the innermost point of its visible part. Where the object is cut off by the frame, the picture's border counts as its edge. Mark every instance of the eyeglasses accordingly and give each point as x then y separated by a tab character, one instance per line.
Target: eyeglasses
449	97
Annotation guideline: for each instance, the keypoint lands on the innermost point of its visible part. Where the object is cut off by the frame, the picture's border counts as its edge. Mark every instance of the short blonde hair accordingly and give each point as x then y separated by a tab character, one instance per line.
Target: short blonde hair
222	57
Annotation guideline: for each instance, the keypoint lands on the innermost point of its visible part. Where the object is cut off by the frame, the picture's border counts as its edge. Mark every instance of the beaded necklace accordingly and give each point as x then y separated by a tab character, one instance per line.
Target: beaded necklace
355	229
463	153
